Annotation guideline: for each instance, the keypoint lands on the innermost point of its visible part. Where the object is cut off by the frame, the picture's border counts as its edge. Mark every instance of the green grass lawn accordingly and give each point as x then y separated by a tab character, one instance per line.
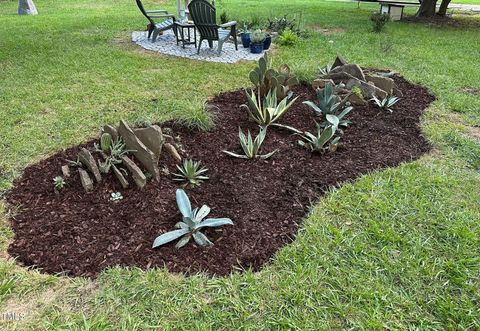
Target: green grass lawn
396	249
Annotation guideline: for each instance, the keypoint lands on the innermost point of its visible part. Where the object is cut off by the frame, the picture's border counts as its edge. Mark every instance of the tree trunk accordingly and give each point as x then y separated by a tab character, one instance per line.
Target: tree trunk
442	11
26	7
427	8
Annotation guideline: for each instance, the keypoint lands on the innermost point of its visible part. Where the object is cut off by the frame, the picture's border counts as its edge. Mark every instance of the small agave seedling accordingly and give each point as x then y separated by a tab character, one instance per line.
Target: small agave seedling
191	172
116	196
192	222
323	71
59	182
250	146
385	103
322	141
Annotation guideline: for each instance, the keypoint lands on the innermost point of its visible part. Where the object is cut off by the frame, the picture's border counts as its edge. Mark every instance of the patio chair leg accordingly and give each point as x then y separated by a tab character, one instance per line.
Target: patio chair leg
234	36
155	35
220	45
210	43
150	30
199	46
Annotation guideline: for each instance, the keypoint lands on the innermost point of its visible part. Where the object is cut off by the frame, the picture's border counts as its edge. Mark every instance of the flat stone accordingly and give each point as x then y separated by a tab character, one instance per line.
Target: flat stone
151	137
351	69
382	82
66	171
121	178
111	130
356	100
89	161
339	77
339	61
173	152
320	83
87	183
141	152
137	174
368	89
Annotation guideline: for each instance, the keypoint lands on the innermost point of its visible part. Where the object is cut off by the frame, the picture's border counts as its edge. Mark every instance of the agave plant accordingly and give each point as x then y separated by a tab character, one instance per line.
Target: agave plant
329	103
322	141
268	111
192	222
385	103
251	147
191	172
113	151
325	70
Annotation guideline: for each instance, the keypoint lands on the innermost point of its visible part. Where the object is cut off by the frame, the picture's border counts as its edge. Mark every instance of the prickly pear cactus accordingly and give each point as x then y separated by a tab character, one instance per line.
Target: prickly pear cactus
105	142
265	79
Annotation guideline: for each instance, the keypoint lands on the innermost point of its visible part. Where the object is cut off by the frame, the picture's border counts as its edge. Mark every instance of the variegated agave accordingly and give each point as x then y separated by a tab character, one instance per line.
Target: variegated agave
323	140
268	111
250	146
192	222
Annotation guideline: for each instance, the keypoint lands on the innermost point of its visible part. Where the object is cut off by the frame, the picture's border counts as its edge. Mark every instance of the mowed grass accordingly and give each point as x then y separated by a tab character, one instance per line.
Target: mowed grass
396	249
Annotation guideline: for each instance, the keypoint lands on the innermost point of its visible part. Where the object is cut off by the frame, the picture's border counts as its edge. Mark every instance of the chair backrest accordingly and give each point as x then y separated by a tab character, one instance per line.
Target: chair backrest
205	18
144	12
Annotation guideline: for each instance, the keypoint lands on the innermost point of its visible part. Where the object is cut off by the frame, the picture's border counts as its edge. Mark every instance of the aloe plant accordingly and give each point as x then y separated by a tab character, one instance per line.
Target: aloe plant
192	222
267	111
250	146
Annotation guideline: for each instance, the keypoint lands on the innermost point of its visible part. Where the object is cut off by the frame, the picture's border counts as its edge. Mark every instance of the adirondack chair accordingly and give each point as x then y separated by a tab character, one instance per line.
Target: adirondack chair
204	16
154	29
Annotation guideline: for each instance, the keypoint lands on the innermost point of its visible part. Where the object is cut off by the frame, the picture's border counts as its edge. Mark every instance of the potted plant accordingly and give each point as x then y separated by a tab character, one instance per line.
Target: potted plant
267	42
245	36
256	41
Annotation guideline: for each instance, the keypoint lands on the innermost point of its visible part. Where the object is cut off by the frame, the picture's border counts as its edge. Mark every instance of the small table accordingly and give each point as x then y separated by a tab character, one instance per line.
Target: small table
185	38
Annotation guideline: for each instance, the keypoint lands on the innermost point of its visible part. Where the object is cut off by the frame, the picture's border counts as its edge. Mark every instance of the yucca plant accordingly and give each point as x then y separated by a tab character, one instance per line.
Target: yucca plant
191	173
385	103
250	146
192	222
268	111
323	141
329	103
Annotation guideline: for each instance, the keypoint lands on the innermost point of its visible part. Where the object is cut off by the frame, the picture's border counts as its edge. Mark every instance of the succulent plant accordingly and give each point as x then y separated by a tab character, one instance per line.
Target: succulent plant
267	111
251	147
105	142
191	173
116	196
329	103
322	141
59	182
385	103
266	79
258	36
192	222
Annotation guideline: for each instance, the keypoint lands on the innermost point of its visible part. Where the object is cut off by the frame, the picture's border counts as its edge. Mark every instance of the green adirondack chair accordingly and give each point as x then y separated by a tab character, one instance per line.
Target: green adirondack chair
154	28
204	17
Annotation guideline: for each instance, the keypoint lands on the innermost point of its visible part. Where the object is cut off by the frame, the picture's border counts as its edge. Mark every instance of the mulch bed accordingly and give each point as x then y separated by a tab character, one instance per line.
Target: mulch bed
81	234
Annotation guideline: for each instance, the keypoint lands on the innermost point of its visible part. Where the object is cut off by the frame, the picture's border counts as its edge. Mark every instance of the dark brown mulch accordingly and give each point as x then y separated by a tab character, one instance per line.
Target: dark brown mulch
82	234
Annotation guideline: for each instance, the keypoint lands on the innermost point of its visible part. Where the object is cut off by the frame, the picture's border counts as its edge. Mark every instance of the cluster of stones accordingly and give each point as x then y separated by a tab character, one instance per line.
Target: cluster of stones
352	75
145	144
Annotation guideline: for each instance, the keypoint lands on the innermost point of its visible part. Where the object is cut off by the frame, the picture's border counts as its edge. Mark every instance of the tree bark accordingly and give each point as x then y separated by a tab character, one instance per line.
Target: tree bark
26	7
427	8
442	11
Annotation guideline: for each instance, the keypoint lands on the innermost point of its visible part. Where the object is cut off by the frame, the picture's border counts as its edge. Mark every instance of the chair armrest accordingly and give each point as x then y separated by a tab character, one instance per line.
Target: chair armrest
228	24
156	11
163	16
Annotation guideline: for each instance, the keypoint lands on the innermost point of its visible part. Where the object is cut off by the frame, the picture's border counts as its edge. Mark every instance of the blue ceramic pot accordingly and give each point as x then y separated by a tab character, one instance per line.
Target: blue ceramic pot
267	42
256	48
245	39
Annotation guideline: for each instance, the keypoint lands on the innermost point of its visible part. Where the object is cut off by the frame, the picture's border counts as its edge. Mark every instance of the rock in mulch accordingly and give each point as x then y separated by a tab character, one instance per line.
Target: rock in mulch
89	161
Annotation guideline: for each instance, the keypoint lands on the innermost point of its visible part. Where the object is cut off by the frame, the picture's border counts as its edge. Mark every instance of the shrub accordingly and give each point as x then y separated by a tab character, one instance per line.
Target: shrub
287	38
379	20
192	222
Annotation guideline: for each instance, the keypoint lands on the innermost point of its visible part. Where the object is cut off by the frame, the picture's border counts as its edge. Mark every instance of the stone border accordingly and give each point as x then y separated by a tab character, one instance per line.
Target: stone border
166	44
